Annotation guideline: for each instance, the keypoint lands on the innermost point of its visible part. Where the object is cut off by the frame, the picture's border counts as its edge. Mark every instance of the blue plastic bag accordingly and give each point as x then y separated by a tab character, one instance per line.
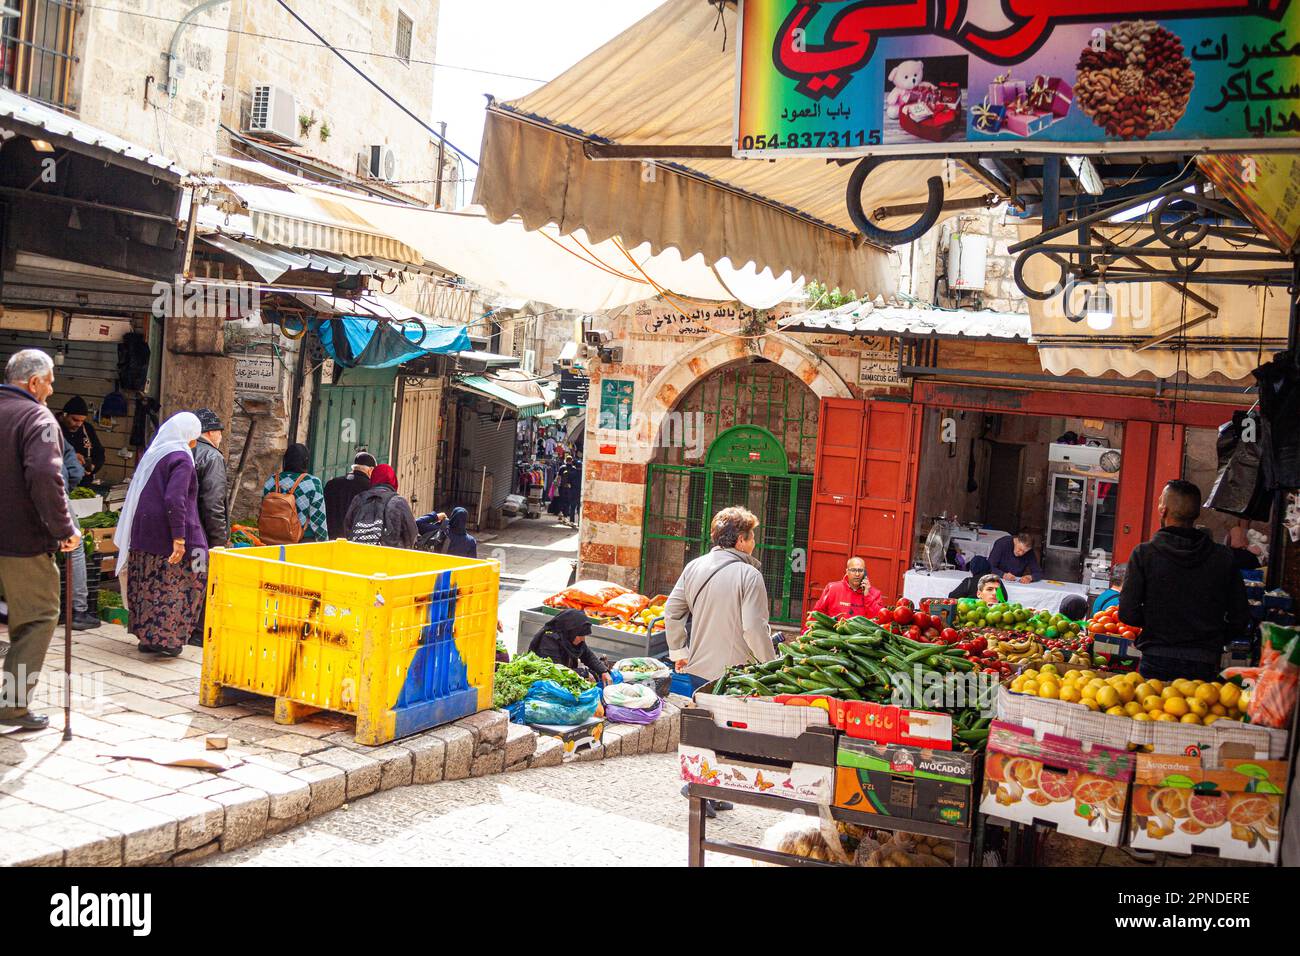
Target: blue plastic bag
549	703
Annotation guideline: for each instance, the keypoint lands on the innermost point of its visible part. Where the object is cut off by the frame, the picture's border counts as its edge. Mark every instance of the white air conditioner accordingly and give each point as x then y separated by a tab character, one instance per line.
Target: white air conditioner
274	114
378	162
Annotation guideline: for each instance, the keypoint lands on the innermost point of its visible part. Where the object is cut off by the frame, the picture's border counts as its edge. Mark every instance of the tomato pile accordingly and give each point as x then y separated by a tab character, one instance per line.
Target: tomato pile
1108	622
903	619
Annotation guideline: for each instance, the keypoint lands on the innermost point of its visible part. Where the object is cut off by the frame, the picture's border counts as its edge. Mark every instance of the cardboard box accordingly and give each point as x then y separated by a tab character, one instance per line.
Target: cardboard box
1187	803
1079	788
103	540
887	724
1045	716
913	783
798	781
85	507
834	707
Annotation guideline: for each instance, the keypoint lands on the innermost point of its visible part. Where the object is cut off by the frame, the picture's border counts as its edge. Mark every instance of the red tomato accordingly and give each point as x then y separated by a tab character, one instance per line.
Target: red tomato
949	634
905	602
885	615
903	614
921	620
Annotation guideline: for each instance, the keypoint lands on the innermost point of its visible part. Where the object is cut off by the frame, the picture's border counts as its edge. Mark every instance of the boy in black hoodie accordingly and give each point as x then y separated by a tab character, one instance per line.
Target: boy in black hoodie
1184	591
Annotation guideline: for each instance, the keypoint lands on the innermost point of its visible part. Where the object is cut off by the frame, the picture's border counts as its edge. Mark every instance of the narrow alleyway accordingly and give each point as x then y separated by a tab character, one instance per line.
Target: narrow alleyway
535	556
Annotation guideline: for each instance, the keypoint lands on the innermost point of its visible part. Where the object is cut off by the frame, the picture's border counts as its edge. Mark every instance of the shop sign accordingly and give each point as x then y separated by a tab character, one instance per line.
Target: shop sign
616	404
878	368
657	319
1265	187
257	376
948	76
574	389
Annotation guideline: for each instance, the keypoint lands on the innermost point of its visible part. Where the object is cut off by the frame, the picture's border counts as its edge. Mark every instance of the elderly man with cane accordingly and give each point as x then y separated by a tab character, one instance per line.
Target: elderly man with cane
39	523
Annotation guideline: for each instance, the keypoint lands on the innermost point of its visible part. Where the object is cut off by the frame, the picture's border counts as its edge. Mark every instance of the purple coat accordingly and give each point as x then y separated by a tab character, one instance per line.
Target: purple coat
169	508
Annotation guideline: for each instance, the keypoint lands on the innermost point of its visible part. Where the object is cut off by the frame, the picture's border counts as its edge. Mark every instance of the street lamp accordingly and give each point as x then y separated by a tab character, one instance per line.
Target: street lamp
1098	309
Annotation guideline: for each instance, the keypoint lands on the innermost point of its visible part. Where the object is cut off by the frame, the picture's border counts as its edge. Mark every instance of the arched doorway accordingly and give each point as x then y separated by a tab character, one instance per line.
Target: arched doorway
745	434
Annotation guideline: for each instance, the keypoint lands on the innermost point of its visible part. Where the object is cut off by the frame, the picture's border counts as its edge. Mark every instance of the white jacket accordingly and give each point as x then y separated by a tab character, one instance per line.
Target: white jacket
728	610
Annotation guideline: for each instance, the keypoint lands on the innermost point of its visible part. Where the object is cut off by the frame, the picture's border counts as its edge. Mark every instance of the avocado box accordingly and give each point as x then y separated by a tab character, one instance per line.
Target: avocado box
899	780
1186	803
1079	788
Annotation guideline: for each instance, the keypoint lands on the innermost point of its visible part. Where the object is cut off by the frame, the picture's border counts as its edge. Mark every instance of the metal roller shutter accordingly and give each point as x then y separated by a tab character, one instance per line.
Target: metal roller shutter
491	446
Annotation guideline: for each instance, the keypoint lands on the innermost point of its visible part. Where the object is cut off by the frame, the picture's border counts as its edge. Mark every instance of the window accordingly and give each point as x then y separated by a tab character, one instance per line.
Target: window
404	29
36	50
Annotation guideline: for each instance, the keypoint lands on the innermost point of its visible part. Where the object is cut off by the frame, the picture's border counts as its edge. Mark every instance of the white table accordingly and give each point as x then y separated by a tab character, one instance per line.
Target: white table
1041	595
982	546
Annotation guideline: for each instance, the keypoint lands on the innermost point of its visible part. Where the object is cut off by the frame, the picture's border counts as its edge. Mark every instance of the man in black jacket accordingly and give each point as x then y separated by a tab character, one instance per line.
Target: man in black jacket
80	434
1184	592
340	491
210	465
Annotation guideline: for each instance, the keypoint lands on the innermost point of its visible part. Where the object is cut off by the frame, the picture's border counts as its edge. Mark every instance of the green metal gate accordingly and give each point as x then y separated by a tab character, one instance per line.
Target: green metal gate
351	416
745	466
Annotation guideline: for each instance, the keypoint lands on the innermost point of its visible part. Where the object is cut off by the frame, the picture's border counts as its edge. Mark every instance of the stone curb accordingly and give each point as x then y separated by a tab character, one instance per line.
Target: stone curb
176	818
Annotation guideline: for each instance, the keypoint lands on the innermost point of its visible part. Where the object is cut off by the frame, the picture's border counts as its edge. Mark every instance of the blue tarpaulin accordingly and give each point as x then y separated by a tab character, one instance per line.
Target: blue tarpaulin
356	342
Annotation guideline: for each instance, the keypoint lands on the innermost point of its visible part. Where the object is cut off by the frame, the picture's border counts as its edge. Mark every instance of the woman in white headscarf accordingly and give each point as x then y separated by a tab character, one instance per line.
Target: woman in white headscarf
160	536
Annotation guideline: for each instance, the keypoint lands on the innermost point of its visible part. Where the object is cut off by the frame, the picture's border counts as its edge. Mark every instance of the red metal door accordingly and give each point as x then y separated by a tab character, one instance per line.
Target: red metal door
1153	456
863	489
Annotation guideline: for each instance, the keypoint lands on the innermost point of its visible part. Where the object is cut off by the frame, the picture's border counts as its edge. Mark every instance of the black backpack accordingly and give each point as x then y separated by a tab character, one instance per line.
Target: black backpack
370	524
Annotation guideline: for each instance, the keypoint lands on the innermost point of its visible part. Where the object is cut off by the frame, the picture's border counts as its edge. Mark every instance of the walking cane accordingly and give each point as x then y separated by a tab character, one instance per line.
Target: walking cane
67	645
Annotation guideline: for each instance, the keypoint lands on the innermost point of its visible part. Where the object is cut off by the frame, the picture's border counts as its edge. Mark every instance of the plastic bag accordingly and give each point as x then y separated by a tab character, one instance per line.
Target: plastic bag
642	670
1274	695
588	594
814	838
634	715
632	696
549	703
626	606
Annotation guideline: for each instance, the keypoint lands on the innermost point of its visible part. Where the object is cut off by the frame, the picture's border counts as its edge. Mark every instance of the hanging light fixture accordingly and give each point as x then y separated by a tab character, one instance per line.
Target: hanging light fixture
1099	309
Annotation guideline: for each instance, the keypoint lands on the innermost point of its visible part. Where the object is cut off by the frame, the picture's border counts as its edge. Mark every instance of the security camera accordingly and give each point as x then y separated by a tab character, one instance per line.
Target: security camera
597	337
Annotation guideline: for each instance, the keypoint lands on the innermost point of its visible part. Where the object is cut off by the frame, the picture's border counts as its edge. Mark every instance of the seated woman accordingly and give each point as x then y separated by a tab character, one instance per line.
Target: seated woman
563	639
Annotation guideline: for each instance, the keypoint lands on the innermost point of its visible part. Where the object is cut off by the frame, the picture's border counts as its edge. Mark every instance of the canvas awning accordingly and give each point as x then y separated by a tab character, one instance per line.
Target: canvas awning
865	318
670	81
568	271
1157	330
523	406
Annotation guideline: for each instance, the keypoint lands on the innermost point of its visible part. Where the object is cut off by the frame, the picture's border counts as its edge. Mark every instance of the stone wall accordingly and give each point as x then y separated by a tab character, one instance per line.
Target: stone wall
120	79
663	368
924	264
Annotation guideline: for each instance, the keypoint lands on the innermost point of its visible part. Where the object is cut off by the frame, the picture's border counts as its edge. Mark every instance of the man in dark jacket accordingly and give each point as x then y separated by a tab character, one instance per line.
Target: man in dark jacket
340	491
75	420
1013	559
1183	591
37	523
210	465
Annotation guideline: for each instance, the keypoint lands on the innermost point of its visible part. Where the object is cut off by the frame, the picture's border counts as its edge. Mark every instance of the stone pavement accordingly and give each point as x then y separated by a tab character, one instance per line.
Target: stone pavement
626	812
535	556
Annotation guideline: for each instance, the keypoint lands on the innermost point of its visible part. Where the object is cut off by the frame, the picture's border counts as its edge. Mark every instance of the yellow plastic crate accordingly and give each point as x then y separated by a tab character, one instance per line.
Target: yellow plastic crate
402	640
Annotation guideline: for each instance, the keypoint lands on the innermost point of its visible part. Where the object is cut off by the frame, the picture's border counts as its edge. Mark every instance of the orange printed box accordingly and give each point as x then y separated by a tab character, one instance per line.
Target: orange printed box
1184	804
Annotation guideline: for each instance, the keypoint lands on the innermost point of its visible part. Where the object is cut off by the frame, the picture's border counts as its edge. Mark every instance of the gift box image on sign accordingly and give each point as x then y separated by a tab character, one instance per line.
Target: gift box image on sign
924	99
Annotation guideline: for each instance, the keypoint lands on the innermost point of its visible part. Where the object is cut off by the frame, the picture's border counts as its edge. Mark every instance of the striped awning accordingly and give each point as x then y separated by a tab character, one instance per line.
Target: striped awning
522	405
285	218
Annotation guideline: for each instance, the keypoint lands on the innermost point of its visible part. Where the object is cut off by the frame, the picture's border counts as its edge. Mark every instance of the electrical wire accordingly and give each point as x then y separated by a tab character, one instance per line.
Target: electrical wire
388	96
409	61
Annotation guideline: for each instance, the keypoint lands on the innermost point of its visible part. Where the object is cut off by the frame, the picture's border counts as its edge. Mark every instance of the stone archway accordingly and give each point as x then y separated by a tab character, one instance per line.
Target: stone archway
661	395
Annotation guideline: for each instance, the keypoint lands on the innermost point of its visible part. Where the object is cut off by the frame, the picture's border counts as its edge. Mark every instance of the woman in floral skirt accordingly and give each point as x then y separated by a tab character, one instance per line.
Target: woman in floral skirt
162	537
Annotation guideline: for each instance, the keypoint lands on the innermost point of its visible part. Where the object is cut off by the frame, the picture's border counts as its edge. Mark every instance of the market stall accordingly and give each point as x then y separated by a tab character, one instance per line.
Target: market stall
623	623
920	586
901	740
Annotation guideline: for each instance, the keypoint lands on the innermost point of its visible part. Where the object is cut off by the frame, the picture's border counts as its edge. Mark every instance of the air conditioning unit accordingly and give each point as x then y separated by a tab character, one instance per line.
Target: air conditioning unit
378	162
274	114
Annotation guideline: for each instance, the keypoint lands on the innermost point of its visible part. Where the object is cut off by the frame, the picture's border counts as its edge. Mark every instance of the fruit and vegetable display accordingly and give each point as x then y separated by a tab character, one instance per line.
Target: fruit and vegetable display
1131	695
513	680
82	493
880	849
612	605
849	844
856	659
100	519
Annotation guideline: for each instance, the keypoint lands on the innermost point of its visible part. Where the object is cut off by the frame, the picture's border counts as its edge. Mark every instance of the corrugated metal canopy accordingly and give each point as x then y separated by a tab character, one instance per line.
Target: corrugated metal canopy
670	81
74	135
865	318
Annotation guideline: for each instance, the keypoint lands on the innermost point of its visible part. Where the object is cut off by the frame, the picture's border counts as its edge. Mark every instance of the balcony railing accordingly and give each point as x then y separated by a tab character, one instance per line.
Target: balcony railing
36	57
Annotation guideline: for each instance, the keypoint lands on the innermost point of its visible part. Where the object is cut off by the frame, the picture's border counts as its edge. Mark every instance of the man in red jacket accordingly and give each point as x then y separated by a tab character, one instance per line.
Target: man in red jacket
852	596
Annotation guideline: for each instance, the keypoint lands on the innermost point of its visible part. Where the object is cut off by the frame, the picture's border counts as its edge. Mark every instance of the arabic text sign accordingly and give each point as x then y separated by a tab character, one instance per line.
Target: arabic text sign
952	76
657	319
257	376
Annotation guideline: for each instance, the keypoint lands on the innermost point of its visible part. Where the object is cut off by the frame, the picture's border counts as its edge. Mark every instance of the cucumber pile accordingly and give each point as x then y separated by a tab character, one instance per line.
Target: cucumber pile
857	659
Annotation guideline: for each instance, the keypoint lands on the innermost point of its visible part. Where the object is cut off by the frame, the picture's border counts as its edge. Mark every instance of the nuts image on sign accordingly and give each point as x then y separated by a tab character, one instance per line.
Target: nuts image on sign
1137	83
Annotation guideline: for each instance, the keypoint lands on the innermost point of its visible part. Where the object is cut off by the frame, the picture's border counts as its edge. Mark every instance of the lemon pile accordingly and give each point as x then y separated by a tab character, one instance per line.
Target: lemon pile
1131	695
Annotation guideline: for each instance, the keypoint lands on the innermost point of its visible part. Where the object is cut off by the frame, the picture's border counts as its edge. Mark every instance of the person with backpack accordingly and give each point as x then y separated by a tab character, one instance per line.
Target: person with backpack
380	515
445	534
340	492
293	502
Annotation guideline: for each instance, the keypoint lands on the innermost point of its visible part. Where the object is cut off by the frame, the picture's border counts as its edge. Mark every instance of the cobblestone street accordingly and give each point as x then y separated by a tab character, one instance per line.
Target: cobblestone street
535	556
626	811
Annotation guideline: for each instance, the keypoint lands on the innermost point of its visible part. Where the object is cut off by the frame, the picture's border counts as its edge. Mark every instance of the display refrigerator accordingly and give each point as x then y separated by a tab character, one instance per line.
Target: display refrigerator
1080	521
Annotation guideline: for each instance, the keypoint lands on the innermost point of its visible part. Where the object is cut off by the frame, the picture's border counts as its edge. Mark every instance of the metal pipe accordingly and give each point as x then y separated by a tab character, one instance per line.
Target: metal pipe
172	75
1104	214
